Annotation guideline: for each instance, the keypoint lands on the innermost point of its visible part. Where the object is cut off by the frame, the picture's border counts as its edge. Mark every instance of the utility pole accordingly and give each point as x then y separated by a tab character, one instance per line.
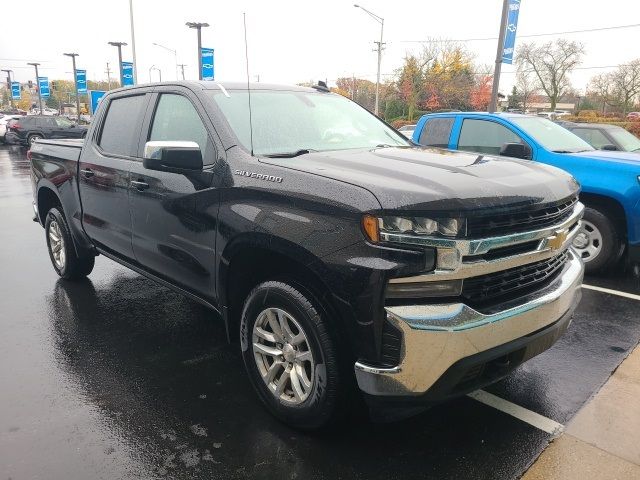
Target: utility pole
37	85
198	26
119	45
182	65
10	85
75	79
108	72
493	106
380	44
133	45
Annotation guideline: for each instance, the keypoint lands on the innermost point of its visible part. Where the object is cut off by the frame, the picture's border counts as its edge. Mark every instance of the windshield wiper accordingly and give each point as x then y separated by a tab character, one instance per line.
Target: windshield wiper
297	153
561	151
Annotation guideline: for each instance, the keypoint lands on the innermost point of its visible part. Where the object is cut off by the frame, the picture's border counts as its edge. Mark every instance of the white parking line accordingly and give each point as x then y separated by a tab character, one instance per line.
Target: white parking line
532	418
612	292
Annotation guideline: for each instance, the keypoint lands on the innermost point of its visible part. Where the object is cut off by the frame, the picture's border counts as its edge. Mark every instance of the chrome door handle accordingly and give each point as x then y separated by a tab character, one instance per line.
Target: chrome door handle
87	172
138	185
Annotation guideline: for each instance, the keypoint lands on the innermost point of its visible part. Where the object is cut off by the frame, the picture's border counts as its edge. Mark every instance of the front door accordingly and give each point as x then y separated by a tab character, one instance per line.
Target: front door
174	215
104	174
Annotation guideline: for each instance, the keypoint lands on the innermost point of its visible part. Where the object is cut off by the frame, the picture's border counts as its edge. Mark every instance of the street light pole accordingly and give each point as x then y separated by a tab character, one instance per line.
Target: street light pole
37	85
153	67
198	26
119	45
133	45
175	55
182	65
493	106
380	44
108	72
75	78
10	85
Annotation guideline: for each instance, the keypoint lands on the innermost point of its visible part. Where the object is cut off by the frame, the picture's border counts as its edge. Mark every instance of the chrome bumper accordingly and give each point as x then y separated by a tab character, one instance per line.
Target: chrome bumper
437	336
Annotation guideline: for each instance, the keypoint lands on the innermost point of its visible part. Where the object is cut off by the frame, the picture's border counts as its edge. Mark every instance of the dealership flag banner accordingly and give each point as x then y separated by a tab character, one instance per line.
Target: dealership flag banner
510	34
15	90
127	74
43	85
81	80
207	63
94	99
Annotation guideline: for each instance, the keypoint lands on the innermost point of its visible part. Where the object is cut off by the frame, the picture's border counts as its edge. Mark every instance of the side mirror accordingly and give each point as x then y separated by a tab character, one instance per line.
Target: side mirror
172	156
609	147
516	150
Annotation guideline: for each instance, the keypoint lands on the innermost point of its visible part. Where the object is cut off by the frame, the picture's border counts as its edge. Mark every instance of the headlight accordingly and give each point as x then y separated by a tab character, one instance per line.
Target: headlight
420	226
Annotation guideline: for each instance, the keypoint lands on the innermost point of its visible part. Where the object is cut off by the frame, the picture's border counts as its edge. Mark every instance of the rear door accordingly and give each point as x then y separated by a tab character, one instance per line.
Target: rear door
46	125
66	129
174	215
104	172
436	132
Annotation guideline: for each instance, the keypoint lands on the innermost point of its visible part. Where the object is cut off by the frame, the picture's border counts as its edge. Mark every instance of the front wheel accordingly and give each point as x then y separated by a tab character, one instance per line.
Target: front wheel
33	138
291	357
597	242
66	262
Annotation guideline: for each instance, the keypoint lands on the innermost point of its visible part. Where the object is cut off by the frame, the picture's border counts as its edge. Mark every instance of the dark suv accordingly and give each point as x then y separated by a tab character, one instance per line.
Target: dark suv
27	129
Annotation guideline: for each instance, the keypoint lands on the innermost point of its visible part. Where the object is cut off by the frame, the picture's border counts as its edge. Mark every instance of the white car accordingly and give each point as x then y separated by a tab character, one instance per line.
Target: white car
407	131
3	126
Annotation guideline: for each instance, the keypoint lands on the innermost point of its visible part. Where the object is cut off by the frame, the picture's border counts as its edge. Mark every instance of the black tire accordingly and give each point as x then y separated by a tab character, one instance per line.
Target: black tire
71	266
599	231
33	137
325	405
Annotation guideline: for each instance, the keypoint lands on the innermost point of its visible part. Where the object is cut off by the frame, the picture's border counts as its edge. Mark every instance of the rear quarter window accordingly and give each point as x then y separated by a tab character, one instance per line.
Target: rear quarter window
436	132
121	126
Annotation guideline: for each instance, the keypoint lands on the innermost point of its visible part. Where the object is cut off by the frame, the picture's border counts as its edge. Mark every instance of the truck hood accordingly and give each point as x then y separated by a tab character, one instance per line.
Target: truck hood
431	179
612	156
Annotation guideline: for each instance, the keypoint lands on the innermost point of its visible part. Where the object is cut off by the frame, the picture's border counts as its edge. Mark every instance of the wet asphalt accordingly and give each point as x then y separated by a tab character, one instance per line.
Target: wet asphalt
118	377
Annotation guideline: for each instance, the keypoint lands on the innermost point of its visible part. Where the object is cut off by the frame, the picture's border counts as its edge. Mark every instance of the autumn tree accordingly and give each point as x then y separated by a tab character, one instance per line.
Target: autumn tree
410	84
480	94
551	63
625	84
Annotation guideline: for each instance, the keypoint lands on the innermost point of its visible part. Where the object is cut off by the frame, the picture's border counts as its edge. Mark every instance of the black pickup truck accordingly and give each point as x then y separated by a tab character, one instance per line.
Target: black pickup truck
346	261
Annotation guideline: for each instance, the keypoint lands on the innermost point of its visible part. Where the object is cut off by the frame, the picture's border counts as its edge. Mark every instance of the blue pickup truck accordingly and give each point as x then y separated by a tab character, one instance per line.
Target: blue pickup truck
610	181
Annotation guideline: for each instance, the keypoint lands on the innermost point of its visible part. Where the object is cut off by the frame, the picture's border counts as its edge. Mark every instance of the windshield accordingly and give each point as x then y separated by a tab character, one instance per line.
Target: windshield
628	141
552	136
288	122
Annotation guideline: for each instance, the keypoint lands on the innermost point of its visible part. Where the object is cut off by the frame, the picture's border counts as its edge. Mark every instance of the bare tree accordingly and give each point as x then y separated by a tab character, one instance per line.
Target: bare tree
551	63
600	88
526	86
625	84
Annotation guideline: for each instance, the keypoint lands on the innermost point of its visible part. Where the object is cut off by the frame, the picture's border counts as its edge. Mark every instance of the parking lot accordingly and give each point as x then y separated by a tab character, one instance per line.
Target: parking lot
118	377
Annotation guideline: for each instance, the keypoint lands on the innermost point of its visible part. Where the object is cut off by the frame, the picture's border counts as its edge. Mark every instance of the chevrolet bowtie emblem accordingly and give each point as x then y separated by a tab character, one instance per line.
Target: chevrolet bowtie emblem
557	241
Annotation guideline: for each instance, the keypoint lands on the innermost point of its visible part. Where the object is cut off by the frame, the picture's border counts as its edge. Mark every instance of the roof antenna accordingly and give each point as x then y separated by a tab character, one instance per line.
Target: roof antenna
246	55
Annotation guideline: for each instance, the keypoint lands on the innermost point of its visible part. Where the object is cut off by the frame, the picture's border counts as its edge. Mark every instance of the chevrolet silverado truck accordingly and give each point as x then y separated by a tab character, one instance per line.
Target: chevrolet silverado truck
609	180
345	261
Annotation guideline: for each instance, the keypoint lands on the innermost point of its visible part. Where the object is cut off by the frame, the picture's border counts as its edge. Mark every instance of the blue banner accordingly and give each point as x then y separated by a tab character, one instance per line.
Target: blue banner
43	85
510	34
94	99
15	90
206	55
127	74
81	81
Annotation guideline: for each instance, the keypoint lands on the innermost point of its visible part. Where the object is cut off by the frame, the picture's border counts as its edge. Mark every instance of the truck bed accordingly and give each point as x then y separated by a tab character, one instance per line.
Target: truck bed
63	149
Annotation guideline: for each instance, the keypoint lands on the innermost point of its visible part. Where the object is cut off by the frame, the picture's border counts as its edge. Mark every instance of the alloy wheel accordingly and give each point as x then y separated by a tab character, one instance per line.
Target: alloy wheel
56	245
283	355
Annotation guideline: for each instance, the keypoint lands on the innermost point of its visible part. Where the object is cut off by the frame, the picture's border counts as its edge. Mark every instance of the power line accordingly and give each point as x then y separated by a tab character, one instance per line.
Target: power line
599	29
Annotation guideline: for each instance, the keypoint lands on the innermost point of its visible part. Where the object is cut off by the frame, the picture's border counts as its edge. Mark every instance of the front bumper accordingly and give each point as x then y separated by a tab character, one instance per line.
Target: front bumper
438	338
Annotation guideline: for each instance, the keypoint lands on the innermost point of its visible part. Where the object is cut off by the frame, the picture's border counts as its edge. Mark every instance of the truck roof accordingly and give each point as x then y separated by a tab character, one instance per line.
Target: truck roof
495	114
212	85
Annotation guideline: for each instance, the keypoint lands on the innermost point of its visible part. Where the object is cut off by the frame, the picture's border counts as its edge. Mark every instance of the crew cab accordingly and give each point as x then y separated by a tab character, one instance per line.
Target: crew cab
610	181
337	252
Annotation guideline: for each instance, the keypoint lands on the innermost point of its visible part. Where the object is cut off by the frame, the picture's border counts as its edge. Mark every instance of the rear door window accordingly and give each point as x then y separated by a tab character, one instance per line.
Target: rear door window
120	130
593	137
436	132
484	136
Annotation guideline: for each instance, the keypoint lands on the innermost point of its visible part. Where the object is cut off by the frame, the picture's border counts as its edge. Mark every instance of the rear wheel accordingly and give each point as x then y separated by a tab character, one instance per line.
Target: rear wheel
291	357
67	263
33	137
598	241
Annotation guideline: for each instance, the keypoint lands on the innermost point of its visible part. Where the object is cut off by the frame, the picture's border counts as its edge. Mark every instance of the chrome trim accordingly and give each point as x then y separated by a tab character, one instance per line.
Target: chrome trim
450	254
437	336
154	148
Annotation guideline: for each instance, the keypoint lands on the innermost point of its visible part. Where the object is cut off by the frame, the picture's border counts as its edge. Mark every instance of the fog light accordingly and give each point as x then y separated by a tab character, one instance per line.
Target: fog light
447	288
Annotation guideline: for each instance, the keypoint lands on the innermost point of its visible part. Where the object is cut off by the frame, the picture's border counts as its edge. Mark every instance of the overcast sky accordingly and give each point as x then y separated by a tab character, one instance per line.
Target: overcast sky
293	41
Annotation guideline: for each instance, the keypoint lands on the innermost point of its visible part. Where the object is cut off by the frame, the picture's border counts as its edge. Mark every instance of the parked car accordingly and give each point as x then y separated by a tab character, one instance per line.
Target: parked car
407	131
633	115
334	259
3	126
30	128
606	137
610	180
